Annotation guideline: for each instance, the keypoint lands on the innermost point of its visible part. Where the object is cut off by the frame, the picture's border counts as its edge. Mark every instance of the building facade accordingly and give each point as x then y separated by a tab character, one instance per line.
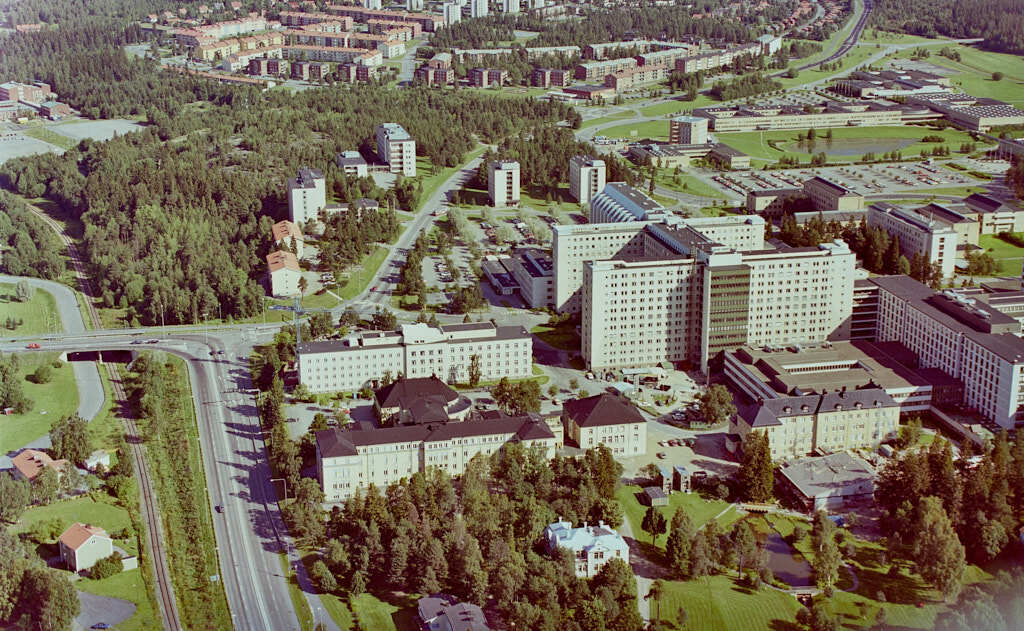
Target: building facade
828	195
935	241
503	183
283	272
688	130
307	194
416	350
586	178
590	546
533	272
397	149
606	419
82	545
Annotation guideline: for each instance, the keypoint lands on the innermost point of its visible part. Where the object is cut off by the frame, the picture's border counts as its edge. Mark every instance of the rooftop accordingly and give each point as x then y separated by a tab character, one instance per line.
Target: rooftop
403	392
78	533
602	409
31	462
823	475
279	260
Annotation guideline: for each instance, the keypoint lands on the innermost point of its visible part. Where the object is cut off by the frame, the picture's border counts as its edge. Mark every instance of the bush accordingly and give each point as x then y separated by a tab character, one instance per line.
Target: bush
43	374
1012	238
107	567
57	364
997	76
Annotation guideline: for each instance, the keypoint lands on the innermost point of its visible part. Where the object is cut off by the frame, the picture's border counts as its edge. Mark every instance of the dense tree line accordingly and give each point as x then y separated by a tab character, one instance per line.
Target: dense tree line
33	596
1015	178
971	510
1000	22
27	246
878	251
11	393
482	539
740	87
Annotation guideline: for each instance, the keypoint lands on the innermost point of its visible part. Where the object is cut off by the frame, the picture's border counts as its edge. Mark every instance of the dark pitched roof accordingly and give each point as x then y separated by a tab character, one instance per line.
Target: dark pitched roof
602	409
334	444
404	392
769	413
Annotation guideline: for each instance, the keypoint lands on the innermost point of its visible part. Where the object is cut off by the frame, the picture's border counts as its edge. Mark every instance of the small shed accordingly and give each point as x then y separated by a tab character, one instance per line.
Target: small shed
655	496
98	457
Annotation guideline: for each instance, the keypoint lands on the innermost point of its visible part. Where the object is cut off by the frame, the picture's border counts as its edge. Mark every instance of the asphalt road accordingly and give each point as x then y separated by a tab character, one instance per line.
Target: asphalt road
250	533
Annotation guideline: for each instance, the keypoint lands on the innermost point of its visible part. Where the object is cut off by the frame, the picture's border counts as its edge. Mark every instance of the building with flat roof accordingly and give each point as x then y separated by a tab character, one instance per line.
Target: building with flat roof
828	482
866	84
452	12
397	149
353	164
965	337
533	273
917	233
591	546
688	130
34	93
416	350
477	8
769	202
729	118
307	195
499	273
587	177
828	195
347	461
503	183
969	112
618	202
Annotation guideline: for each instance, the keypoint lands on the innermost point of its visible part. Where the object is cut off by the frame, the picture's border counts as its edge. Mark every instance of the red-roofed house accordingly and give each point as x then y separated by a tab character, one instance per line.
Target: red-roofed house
82	545
288	233
284	272
30	463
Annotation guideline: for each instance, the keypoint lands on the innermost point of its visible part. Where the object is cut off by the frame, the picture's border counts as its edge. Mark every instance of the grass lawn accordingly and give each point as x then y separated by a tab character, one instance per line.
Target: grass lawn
39	313
1006	255
562	336
106	428
357	283
672	107
846	62
51	401
83	509
128	586
701	511
875	36
298	599
853	140
51	137
688	184
606	119
379	615
433	178
718	602
655	130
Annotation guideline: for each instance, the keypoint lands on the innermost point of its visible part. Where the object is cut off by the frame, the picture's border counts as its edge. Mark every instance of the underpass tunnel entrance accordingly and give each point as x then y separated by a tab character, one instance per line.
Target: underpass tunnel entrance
104	357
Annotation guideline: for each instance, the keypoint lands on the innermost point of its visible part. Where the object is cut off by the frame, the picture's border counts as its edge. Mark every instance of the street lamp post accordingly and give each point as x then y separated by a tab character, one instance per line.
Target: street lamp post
206	330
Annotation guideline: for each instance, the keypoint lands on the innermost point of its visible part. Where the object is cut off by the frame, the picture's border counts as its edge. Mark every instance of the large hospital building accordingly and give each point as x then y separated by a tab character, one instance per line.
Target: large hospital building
652	287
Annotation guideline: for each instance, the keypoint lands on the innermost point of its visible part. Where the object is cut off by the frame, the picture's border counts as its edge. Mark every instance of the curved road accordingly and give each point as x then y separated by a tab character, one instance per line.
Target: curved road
847	44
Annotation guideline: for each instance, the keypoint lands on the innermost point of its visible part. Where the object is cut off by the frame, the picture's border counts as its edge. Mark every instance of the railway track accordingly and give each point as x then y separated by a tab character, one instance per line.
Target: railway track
147	495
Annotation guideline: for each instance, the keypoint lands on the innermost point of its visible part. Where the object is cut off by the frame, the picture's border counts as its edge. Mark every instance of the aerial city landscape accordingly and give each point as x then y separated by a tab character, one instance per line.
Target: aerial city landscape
494	315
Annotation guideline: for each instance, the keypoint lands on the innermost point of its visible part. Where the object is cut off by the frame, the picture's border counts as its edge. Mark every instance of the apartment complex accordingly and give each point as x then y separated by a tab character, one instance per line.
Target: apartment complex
935	241
307	194
532	270
350	460
452	12
487	77
503	183
34	93
828	195
727	118
416	350
288	235
477	8
606	419
586	178
964	337
283	273
688	130
591	546
397	149
550	77
353	164
618	202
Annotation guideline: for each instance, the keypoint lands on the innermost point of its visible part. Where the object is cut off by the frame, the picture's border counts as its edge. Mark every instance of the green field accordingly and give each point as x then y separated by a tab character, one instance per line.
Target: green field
51	401
606	119
82	509
758	144
700	511
39	314
1007	256
299	603
562	336
976	68
379	615
51	137
846	62
830	45
357	283
688	184
655	130
717	602
875	36
127	586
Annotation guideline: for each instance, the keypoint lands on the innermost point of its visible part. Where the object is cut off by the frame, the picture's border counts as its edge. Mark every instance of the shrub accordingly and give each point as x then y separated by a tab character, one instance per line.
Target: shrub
43	374
107	567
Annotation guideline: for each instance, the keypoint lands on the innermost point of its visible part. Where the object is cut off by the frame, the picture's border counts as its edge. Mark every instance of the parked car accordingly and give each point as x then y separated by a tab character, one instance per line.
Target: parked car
661	454
100	625
33	345
219	508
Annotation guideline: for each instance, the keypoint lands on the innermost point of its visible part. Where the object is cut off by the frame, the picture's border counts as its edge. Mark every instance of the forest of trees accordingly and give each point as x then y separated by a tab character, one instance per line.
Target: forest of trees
30	248
943	512
162	234
1000	22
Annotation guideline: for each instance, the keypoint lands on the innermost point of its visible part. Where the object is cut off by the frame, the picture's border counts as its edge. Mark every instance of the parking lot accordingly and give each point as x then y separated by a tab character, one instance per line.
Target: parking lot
866	179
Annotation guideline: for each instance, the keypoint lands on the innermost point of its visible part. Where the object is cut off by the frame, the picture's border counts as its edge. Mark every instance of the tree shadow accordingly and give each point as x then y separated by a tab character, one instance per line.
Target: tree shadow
784	625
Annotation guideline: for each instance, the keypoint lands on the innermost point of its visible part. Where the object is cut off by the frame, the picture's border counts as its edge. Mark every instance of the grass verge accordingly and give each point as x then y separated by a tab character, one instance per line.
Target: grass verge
700	510
51	137
38	314
1007	256
51	401
295	592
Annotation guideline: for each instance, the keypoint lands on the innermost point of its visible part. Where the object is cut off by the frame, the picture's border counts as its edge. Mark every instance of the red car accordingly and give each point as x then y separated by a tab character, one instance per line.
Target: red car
33	345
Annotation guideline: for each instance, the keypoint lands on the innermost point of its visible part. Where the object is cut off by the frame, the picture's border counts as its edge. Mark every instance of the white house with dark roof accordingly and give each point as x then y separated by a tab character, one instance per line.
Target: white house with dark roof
608	419
591	546
351	460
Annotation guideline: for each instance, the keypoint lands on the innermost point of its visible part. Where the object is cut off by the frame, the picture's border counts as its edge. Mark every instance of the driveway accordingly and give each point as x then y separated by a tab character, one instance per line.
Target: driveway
96	609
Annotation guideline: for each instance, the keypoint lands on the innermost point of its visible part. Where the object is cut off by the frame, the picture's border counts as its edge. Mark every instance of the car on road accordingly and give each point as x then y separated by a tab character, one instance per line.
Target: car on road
33	345
219	508
152	341
661	454
100	625
138	341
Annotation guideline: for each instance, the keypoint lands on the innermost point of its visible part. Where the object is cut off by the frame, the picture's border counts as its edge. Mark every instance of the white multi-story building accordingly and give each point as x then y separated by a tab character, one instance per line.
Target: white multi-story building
397	149
934	240
828	195
586	178
618	202
373	5
416	350
414	5
503	183
966	338
452	12
284	273
683	290
510	6
533	273
350	460
307	194
287	234
606	419
353	164
591	546
477	8
688	130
